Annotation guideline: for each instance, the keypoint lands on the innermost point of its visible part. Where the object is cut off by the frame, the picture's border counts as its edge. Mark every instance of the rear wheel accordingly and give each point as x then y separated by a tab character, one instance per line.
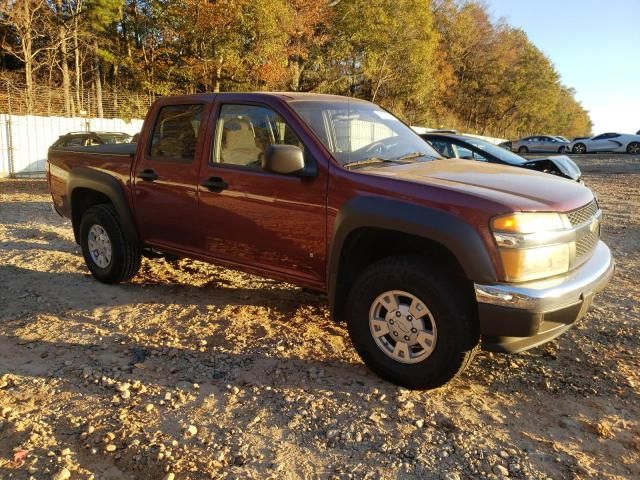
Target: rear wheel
410	323
523	150
562	149
633	148
109	255
579	148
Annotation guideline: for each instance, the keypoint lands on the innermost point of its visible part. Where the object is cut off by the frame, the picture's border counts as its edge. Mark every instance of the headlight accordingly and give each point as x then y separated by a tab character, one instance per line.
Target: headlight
532	245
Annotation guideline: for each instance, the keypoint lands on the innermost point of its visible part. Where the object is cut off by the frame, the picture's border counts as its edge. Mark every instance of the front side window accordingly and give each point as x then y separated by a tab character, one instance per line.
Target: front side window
175	134
244	132
444	148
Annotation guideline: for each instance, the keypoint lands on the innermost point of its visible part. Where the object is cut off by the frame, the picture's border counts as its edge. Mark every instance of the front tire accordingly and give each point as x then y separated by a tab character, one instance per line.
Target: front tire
109	255
523	150
410	323
579	148
633	148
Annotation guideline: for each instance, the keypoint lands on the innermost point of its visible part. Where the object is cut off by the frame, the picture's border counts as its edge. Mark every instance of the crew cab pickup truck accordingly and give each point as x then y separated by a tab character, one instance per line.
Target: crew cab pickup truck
425	259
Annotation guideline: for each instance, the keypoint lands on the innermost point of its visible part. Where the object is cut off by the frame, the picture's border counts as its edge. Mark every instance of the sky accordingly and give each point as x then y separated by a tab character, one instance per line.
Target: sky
594	45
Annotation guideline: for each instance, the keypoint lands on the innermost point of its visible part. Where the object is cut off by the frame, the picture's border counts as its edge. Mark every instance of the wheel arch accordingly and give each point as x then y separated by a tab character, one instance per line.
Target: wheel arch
88	187
368	229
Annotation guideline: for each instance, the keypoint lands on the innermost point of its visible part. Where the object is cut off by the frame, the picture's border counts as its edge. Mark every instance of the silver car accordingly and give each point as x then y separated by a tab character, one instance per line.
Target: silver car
540	143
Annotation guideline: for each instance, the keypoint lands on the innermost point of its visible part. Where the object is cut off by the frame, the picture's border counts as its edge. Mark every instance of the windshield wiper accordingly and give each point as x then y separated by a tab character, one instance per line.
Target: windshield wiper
411	155
368	160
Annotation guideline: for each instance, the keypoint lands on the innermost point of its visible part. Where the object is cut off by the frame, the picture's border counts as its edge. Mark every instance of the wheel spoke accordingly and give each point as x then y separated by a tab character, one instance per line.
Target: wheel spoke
380	328
425	339
390	302
401	350
417	308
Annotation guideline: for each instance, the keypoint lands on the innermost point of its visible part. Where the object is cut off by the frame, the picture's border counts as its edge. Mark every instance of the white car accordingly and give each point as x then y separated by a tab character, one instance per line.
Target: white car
607	142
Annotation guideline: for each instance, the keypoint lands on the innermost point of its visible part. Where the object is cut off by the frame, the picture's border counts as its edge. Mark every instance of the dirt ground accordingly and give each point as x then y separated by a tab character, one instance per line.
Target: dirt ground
204	372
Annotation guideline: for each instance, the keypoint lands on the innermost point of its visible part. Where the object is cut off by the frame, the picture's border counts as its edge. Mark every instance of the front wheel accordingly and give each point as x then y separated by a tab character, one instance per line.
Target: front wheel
523	150
411	324
633	148
109	255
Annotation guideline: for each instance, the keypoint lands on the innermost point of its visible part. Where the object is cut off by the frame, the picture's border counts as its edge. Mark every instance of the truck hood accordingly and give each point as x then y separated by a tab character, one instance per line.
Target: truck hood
516	189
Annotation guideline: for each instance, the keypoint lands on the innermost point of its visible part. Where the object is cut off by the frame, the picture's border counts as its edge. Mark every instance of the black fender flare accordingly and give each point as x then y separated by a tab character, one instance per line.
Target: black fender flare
447	229
109	186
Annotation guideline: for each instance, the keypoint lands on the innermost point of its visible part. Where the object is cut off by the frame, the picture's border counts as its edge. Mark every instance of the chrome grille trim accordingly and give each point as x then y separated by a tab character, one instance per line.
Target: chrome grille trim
586	238
583	214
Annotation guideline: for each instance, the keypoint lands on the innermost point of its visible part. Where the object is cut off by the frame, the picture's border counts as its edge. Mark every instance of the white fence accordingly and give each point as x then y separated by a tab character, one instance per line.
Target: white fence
25	139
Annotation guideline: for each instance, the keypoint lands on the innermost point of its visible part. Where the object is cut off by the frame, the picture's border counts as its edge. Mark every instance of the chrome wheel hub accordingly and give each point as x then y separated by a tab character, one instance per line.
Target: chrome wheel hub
99	246
402	326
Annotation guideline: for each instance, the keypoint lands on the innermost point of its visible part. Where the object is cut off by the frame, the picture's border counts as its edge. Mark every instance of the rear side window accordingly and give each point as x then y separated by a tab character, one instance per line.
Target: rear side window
175	134
73	142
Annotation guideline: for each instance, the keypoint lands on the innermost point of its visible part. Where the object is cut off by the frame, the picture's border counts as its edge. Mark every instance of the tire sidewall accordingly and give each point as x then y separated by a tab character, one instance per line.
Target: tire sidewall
94	216
448	316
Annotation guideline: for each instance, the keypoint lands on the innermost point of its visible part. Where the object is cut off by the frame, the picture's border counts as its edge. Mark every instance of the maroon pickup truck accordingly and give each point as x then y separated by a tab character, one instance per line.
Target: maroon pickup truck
425	258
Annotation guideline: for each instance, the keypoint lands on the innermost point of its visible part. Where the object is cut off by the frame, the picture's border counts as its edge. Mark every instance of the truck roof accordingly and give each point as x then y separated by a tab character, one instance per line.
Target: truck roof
285	96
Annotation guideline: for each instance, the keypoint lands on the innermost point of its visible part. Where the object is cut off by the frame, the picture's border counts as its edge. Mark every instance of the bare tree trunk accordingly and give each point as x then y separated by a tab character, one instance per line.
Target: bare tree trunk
27	51
76	50
216	83
295	80
97	80
66	81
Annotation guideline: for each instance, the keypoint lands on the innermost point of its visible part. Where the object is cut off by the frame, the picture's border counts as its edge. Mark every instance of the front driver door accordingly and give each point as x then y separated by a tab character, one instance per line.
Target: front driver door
252	217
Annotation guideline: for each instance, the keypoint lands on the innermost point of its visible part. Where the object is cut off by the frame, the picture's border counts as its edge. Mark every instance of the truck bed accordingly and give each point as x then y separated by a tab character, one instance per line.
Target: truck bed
112	159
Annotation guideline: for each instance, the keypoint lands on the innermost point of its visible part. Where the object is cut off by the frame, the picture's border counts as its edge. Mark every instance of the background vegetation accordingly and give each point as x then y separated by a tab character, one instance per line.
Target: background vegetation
440	63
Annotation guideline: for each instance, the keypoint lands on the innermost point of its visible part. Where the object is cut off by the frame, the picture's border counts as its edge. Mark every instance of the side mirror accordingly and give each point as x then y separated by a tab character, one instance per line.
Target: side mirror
286	159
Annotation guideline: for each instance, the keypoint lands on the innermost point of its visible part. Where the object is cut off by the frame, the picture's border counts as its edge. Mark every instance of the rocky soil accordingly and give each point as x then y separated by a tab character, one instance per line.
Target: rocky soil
193	371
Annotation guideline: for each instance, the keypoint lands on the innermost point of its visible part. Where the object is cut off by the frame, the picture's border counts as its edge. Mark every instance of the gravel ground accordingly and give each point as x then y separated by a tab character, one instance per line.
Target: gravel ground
194	371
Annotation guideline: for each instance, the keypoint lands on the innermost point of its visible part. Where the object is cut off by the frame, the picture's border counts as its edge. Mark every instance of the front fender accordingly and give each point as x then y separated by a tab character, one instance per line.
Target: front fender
450	231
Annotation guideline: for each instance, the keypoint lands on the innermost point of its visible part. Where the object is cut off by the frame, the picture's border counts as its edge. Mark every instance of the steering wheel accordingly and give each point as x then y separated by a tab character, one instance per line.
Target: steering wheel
375	147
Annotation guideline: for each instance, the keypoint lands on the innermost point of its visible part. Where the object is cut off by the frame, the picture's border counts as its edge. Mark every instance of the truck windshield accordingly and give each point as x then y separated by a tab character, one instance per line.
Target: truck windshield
355	132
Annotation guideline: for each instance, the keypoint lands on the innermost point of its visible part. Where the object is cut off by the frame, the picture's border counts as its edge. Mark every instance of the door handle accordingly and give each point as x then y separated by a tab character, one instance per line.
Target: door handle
215	184
148	175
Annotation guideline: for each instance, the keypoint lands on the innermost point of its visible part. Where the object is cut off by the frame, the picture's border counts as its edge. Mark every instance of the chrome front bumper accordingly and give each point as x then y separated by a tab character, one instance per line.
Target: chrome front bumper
515	317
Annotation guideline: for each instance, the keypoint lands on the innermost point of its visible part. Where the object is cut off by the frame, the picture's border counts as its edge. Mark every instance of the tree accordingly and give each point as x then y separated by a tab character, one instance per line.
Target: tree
30	21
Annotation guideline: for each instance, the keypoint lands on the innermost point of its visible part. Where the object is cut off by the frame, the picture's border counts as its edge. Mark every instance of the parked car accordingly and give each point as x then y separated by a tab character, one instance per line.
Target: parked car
562	139
85	139
608	142
426	259
508	145
472	148
540	143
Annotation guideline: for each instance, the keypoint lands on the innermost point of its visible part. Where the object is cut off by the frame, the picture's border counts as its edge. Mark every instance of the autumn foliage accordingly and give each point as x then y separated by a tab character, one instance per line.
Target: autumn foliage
441	63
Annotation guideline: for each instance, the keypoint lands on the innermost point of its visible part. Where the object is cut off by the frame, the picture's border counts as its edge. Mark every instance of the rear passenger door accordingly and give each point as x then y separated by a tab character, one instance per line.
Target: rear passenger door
258	219
166	178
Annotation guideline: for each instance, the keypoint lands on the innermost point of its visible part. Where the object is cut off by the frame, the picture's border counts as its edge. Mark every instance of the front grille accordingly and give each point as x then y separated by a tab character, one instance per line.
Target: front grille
586	244
583	214
587	239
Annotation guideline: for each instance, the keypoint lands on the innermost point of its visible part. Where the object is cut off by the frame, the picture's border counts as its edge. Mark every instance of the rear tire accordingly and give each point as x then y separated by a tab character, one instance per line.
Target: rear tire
109	255
633	148
523	150
579	148
446	336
